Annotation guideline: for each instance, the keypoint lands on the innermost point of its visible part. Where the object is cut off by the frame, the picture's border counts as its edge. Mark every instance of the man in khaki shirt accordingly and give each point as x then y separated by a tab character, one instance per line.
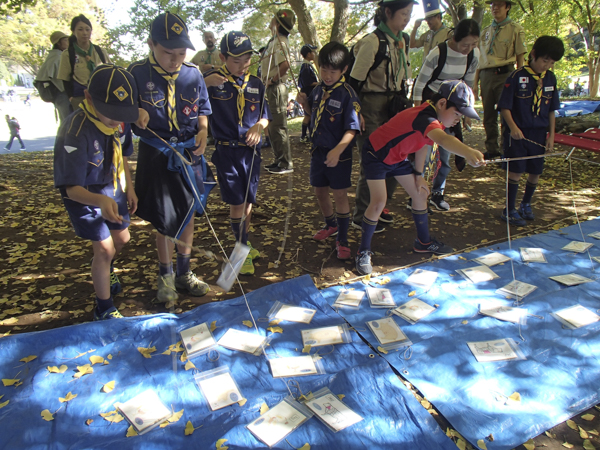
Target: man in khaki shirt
438	32
209	58
502	45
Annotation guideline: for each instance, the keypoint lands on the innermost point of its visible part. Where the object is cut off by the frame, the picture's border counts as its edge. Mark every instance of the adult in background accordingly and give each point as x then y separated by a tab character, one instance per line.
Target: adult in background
455	59
380	84
307	81
438	32
49	73
79	60
502	45
15	130
275	66
208	58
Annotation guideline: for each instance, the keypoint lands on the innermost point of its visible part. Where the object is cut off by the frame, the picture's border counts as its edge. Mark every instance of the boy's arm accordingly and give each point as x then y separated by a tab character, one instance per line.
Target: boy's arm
550	139
333	156
515	131
254	133
108	207
476	84
132	200
453	145
201	136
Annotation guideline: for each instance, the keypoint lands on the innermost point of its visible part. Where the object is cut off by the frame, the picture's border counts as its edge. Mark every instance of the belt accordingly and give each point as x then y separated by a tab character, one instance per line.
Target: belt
502	69
231	143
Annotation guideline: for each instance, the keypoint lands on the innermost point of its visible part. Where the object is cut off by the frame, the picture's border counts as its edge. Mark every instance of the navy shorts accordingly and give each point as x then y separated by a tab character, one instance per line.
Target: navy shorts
233	173
514	148
88	221
338	177
375	169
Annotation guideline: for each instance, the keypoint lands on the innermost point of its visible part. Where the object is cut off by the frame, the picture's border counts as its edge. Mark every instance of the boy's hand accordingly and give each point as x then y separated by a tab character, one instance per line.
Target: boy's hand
475	158
215	79
132	200
110	210
516	134
301	97
333	157
253	135
363	126
143	119
201	142
421	184
550	143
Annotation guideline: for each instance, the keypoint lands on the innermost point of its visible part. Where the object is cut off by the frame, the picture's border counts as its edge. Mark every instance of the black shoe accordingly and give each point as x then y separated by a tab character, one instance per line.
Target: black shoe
272	166
386	217
281	170
266	143
378	228
437	200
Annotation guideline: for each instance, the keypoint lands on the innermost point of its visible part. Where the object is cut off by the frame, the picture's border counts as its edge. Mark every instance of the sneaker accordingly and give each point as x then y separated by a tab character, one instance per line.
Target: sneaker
254	254
305	139
23	149
266	143
247	267
324	233
513	218
386	217
191	283
378	229
281	170
166	288
272	166
433	246
6	149
437	200
110	313
363	262
343	252
115	284
525	211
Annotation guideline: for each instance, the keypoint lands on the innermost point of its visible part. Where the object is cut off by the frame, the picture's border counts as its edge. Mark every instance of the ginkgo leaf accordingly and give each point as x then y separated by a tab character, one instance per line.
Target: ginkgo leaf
175	417
567	445
583	434
96	359
219	444
305	447
594	432
529	445
587	445
189	365
461	444
47	415
382	350
481	444
247	323
89	422
112	416
588	417
242	402
213	326
67	398
109	357
131	432
306	349
83	370
10	382
2	405
189	428
29	358
108	387
275	329
54	369
412	293
515	397
274	322
572	425
263	408
146	352
341	396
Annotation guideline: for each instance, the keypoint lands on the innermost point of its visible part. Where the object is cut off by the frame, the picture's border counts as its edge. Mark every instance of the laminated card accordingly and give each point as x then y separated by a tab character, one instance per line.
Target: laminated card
505	313
422	278
577	246
292	313
571	279
349	298
380	298
577	316
197	340
535	255
144	411
516	289
317	337
386	331
489	351
293	366
413	310
219	390
492	259
242	341
332	411
279	421
478	274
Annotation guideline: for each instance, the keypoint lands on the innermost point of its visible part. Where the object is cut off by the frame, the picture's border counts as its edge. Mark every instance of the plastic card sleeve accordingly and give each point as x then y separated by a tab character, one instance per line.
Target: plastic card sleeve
413	310
145	411
318	337
231	268
380	298
278	422
349	298
290	313
244	341
575	316
388	334
505	313
296	366
330	410
496	350
197	340
218	388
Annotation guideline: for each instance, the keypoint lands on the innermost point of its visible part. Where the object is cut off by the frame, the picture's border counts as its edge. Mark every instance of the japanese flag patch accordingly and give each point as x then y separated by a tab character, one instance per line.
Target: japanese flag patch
523	79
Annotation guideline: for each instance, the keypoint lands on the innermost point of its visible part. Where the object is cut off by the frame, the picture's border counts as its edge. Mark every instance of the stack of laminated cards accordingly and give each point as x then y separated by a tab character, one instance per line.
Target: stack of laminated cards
145	411
576	316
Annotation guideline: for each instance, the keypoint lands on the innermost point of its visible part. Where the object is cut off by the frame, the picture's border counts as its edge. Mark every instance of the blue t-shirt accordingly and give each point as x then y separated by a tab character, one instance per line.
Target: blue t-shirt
83	154
191	100
224	121
517	96
307	77
340	114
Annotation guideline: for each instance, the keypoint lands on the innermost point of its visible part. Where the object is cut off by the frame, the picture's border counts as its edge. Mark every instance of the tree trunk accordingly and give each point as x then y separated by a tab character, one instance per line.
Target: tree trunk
594	67
478	11
306	26
340	20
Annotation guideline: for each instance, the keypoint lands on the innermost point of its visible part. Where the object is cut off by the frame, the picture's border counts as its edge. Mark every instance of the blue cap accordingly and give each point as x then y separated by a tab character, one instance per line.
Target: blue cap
431	8
170	31
307	48
114	93
236	43
459	93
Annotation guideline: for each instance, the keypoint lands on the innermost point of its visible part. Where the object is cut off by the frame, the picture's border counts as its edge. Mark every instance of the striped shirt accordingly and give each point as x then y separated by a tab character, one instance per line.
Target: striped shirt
454	69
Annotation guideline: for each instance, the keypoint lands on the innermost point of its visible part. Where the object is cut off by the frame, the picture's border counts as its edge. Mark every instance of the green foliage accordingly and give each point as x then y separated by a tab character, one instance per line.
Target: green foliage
4	73
14	6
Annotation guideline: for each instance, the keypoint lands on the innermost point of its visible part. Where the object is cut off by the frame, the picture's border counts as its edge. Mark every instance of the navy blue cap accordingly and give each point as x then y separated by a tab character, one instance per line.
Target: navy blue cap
431	8
170	31
236	43
459	93
307	48
114	93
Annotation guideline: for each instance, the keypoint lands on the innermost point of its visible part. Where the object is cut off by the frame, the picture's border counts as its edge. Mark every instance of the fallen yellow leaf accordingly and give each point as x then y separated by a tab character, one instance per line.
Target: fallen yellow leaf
515	397
67	398
108	387
175	416
461	444
54	369
146	351
481	444
131	431
109	357
412	293
425	404
275	329
529	445
464	322
583	434
2	405
189	428
242	402
89	421
29	358
274	322
219	444
588	417
47	415
305	447
572	425
96	359
213	326
9	382
382	350
112	416
341	396
306	349
189	365
567	445
587	445
594	432
83	370
247	323
263	408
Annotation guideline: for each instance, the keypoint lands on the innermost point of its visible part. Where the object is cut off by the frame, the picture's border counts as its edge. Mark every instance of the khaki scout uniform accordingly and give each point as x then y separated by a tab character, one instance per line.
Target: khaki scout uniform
206	57
374	98
432	39
276	53
494	68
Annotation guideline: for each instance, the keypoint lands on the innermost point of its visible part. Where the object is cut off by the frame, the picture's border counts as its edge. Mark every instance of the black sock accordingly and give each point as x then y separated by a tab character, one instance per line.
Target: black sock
304	130
511	194
183	263
103	305
421	219
529	190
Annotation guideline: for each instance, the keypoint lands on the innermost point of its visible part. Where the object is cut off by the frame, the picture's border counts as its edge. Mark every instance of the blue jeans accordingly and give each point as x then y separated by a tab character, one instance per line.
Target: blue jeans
439	182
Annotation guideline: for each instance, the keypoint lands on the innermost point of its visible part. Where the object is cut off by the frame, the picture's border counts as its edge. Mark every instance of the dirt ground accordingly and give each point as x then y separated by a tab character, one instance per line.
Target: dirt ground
45	281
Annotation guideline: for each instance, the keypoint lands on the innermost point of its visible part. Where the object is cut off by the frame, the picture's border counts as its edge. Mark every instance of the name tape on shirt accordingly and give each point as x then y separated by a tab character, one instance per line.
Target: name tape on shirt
549	88
252	90
335	103
523	79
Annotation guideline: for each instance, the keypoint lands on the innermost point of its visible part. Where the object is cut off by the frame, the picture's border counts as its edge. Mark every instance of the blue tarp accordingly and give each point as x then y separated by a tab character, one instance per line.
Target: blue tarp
392	416
577	108
561	375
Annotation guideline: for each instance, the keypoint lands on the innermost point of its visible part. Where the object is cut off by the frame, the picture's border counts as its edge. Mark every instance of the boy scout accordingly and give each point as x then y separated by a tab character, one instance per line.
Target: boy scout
438	32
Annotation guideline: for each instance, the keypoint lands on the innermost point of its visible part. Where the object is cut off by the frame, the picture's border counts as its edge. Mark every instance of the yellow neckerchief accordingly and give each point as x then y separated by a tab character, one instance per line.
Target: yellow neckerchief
241	100
433	153
326	94
537	96
117	159
171	99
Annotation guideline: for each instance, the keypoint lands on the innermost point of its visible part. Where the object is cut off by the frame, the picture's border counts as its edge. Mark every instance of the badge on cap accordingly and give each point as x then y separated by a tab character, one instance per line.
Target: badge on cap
121	93
239	40
177	28
187	110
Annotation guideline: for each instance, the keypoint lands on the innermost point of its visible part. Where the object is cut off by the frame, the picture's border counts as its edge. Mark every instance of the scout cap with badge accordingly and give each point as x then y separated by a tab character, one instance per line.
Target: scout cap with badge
114	93
306	49
57	36
286	18
431	8
236	43
170	31
460	94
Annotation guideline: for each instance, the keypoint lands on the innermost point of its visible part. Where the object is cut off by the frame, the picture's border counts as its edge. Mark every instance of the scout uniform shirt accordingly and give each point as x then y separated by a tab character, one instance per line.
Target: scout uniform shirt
365	51
81	74
277	52
405	133
224	121
206	57
518	94
308	76
83	155
339	115
501	50
191	101
432	39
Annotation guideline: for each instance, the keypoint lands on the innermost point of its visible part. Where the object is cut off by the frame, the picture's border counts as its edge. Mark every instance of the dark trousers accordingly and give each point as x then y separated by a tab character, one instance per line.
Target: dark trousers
12	138
491	88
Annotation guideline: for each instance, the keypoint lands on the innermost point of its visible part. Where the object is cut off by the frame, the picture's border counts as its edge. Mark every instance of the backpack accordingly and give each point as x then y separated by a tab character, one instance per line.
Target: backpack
381	55
443	48
48	92
71	51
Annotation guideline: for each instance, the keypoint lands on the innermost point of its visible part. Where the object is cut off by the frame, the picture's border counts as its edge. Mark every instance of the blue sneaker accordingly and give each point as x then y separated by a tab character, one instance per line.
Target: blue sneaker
115	284
363	262
513	218
525	211
110	313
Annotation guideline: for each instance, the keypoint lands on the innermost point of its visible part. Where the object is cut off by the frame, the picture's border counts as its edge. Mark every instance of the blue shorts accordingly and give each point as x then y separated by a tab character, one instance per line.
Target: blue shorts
514	148
338	177
88	221
375	169
233	173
